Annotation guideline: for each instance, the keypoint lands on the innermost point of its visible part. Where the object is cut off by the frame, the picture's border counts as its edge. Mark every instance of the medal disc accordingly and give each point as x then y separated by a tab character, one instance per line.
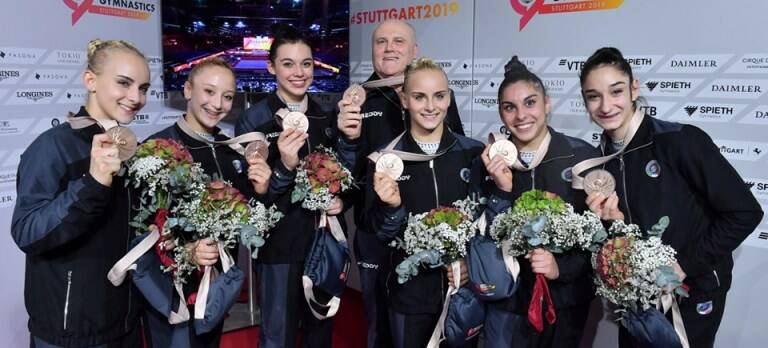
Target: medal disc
125	140
258	148
355	94
506	149
599	181
296	120
390	164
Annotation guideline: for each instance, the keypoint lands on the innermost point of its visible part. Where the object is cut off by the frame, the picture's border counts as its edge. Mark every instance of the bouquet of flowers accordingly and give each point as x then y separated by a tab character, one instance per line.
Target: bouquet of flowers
436	238
541	219
634	272
319	178
222	214
164	172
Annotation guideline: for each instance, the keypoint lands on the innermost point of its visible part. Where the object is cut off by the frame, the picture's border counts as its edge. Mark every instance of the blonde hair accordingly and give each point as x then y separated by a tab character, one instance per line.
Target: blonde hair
98	49
216	61
421	64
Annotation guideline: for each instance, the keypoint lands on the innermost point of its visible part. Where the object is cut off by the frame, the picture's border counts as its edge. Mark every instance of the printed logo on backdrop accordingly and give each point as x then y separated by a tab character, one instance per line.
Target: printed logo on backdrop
658	109
51	77
708	112
565	65
559	85
757	116
571	106
155	62
695	63
534	64
754	63
10	76
759	187
422	10
758	238
485	103
66	57
643	64
479	66
672	87
734	88
73	96
29	96
447	65
492	86
117	8
741	150
169	118
16	55
7	198
8	177
365	68
15	126
157	95
143	119
529	8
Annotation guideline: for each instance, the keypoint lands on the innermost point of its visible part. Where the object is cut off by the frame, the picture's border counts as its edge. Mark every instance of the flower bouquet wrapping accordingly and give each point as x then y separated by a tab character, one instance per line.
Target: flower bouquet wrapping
541	219
320	177
635	273
435	238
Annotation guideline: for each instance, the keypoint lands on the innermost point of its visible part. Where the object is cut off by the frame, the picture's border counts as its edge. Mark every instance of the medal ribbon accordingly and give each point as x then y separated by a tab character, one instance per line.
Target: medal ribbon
634	125
438	334
233	143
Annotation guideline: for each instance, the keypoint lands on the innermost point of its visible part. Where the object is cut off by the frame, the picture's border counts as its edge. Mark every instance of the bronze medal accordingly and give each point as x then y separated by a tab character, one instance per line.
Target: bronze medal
599	180
256	149
355	94
296	120
506	149
125	140
390	164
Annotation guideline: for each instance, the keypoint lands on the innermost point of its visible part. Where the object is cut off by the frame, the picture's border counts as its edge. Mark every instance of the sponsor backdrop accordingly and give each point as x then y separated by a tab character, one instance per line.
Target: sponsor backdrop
700	63
42	58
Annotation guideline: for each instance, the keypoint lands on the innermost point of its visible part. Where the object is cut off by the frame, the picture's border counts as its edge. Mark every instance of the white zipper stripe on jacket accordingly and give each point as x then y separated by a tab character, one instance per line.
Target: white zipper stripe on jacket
66	300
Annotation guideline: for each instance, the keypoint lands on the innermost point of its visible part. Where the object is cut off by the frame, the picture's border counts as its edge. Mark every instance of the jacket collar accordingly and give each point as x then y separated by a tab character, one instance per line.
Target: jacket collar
559	148
192	142
447	140
643	137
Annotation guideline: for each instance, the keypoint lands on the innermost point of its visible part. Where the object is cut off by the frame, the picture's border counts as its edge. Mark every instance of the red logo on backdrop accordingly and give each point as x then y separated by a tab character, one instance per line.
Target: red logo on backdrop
131	9
529	8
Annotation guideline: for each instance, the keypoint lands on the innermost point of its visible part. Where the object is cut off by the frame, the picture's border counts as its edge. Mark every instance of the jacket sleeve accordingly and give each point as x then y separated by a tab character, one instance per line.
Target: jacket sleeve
496	200
248	121
734	211
453	119
386	222
573	265
280	182
51	212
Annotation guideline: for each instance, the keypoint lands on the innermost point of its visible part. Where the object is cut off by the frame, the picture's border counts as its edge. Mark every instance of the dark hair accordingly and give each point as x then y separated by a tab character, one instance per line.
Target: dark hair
606	56
285	34
515	71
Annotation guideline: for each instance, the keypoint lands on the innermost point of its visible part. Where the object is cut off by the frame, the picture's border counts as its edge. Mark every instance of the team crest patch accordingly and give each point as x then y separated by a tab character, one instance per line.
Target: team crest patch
329	132
653	169
464	174
704	308
238	166
567	174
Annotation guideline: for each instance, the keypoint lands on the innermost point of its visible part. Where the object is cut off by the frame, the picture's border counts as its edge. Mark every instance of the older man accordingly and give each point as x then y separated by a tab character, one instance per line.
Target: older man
378	121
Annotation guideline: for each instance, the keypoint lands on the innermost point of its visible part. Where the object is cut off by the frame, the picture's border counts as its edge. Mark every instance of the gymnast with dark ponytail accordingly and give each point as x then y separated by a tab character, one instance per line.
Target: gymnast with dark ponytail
546	158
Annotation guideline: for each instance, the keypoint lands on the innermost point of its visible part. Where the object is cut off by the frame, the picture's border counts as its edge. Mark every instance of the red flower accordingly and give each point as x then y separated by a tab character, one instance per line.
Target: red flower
335	187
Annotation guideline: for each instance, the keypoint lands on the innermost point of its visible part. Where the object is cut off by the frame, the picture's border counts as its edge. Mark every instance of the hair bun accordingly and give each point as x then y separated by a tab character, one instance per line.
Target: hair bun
515	67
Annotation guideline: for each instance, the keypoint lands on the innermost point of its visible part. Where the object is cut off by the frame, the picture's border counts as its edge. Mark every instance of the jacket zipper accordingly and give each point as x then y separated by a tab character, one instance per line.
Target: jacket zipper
216	160
533	178
717	279
127	247
624	185
434	180
66	301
